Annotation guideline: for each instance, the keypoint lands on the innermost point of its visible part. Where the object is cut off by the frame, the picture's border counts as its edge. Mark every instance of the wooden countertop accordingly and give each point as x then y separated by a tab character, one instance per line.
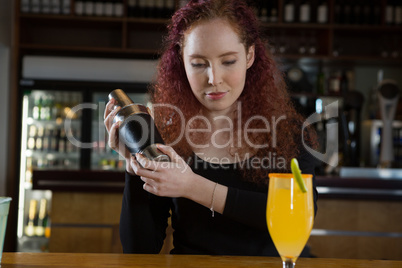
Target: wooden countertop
77	260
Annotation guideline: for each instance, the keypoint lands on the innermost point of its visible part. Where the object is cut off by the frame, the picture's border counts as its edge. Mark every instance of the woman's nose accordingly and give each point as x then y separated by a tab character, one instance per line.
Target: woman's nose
214	76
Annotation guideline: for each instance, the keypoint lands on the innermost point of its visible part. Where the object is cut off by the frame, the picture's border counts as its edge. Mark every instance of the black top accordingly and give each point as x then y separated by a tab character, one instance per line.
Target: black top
240	230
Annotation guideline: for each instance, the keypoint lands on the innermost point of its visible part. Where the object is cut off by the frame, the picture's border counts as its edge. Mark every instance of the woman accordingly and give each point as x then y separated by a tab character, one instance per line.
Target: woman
231	124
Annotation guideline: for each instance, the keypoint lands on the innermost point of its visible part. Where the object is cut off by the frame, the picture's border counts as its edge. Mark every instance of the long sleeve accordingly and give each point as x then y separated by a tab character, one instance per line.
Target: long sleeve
246	207
249	207
143	218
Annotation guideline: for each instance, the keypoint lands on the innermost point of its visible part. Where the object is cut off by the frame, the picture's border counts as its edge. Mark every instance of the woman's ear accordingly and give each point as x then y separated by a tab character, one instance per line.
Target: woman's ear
250	56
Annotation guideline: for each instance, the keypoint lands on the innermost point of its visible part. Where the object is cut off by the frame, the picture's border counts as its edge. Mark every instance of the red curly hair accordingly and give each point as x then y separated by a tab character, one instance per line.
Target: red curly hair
264	95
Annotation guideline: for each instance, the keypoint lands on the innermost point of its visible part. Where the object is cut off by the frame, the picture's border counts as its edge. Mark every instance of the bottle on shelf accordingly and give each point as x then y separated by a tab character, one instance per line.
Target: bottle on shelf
66	7
389	12
264	14
45	110
347	12
159	8
79	7
75	100
35	6
45	6
55	6
289	11
25	6
42	218
36	110
398	13
53	140
89	7
366	12
320	82
376	13
357	16
118	8
338	18
39	139
142	8
305	12
32	218
131	8
109	8
57	108
66	107
334	84
46	140
28	171
62	141
396	47
31	137
170	6
99	7
70	147
150	9
48	225
42	162
312	43
322	12
302	49
273	12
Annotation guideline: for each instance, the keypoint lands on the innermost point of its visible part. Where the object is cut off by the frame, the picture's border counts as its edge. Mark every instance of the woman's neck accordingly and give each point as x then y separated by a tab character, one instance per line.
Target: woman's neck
220	119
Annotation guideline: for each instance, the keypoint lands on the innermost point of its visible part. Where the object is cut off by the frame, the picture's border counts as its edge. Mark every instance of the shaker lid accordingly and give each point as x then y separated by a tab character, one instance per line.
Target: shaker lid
121	97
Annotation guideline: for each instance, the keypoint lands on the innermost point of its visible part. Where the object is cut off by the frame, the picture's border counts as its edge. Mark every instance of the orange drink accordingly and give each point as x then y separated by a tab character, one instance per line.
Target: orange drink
290	215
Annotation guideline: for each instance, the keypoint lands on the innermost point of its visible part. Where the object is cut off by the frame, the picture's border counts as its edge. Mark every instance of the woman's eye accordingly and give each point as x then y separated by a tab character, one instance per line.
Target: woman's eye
229	62
197	65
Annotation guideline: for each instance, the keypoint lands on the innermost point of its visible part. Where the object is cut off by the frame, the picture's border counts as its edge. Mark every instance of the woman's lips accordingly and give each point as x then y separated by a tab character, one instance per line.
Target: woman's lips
216	95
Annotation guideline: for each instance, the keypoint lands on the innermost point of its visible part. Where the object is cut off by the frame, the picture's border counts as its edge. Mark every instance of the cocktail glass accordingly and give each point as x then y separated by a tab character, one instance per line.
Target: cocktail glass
290	215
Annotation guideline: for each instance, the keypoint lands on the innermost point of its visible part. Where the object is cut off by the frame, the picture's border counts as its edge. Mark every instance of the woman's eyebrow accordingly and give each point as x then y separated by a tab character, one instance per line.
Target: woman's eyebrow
220	56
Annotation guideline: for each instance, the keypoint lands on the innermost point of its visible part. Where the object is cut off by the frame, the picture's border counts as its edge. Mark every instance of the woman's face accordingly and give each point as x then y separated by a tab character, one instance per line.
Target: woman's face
216	63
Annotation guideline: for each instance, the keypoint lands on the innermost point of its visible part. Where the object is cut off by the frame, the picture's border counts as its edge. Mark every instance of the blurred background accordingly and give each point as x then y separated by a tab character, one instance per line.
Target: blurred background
57	54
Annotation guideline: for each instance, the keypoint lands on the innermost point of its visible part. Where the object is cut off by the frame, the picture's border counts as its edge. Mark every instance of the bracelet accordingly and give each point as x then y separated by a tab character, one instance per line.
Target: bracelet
212	201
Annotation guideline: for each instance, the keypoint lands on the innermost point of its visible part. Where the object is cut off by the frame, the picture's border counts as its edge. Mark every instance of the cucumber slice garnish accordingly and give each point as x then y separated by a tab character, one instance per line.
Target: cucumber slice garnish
294	165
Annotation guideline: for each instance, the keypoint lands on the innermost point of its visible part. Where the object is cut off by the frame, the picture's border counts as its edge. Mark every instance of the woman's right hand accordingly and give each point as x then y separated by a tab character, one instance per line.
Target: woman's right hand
113	131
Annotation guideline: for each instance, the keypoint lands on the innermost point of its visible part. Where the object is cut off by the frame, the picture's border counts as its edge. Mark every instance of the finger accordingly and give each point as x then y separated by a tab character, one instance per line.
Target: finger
134	165
169	151
146	163
114	136
109	107
150	185
148	181
109	118
140	171
150	189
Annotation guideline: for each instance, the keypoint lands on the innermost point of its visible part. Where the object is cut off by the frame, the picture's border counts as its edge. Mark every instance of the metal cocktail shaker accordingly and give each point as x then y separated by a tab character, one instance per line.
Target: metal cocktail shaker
138	130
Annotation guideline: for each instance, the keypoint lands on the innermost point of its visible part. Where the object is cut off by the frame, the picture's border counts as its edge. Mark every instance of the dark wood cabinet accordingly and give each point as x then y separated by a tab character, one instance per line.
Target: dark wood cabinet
369	38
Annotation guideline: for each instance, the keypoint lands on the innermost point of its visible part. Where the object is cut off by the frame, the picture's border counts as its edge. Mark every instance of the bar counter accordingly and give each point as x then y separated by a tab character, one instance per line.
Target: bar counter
77	260
357	218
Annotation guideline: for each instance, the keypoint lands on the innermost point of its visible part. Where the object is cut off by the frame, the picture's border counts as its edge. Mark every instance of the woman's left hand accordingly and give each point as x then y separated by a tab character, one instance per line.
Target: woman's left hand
170	179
